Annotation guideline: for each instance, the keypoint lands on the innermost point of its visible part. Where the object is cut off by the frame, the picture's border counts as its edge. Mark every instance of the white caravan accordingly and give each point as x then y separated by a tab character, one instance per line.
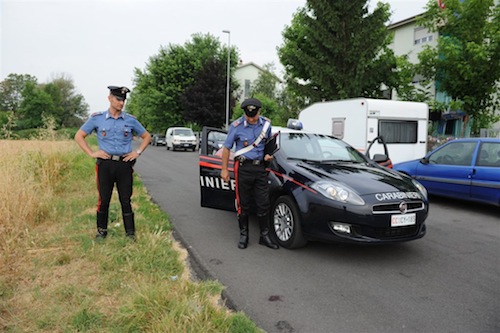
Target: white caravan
358	121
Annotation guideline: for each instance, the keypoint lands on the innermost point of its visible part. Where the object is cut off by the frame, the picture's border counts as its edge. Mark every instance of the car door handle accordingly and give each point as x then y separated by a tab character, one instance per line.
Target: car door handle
472	173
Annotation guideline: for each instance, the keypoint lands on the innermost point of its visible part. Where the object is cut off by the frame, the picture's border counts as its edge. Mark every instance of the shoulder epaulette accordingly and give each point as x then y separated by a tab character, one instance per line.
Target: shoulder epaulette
131	115
266	119
97	113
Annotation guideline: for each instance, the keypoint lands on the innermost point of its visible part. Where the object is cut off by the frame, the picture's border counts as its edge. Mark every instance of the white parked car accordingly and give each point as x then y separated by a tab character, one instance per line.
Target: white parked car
180	138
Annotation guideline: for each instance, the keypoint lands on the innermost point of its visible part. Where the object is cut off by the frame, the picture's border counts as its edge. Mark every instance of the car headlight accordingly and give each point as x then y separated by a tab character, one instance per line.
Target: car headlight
338	192
421	188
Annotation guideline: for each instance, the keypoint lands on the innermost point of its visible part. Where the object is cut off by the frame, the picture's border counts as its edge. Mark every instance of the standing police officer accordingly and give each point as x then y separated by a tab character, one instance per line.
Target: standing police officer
250	134
115	157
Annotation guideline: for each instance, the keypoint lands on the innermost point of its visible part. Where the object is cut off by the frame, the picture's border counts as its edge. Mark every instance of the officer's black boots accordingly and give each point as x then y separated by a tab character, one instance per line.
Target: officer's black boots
129	223
243	223
265	238
102	225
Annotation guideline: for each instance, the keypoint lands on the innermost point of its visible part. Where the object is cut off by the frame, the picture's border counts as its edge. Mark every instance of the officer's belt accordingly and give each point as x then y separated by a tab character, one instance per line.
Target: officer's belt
243	160
117	157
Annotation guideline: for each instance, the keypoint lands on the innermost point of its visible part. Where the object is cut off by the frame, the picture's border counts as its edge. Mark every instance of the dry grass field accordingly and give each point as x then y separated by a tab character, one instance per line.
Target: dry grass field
54	277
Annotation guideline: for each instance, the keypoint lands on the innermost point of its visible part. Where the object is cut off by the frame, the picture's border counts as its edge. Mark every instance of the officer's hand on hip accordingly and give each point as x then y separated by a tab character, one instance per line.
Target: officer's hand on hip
268	157
133	155
100	154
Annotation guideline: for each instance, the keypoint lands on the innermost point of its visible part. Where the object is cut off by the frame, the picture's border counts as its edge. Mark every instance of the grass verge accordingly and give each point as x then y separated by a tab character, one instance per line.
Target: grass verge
54	277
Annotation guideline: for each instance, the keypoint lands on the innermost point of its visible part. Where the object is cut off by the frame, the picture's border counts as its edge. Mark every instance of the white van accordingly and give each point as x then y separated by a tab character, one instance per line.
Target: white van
180	138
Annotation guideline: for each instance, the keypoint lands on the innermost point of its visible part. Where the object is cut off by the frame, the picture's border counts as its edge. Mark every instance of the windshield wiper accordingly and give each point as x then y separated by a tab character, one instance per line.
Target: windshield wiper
340	161
305	160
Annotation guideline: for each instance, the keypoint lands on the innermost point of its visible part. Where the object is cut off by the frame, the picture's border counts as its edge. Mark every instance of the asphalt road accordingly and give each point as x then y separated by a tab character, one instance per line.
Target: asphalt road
448	281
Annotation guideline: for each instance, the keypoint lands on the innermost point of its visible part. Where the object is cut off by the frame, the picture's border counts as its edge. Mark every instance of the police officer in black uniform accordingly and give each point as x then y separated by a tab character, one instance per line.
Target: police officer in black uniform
250	134
115	157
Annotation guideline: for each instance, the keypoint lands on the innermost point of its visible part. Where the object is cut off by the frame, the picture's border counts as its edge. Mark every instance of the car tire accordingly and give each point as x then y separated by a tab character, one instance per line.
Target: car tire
286	224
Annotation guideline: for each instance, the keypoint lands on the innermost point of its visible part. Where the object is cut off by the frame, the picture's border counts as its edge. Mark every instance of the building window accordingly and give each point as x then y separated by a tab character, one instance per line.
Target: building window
246	93
421	36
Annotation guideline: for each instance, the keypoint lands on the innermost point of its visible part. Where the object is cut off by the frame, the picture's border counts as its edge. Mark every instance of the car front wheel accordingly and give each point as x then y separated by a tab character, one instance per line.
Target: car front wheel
286	223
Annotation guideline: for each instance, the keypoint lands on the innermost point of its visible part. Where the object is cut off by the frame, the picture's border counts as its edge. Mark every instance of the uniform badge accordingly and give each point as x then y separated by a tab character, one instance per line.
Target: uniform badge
125	133
245	143
103	133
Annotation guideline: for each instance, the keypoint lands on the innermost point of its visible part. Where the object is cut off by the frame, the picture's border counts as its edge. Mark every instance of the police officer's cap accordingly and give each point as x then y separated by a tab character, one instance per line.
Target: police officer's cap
251	102
119	92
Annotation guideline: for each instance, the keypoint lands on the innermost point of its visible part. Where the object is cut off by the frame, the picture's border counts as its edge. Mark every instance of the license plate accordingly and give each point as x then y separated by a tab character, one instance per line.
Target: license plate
186	145
402	220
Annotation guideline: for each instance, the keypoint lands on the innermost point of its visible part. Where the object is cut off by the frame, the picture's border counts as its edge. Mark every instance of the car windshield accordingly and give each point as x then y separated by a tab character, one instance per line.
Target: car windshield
184	132
318	148
217	136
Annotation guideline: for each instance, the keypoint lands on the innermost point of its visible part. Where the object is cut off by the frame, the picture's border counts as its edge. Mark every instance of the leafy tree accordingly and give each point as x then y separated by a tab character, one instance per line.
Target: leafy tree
159	97
466	62
11	91
204	102
266	83
335	50
69	106
35	104
405	87
28	100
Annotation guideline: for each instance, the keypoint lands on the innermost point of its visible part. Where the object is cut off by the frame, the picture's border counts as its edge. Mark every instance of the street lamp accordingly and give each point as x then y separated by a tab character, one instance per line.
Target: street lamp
228	73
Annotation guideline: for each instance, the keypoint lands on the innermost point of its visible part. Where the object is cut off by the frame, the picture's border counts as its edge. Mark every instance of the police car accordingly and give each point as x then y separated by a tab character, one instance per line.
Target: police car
322	189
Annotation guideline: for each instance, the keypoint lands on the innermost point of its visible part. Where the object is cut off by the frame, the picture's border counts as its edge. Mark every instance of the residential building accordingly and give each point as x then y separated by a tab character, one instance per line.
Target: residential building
246	75
410	38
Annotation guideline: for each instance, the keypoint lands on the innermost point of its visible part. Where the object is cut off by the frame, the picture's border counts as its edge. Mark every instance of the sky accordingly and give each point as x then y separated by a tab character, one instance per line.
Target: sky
97	43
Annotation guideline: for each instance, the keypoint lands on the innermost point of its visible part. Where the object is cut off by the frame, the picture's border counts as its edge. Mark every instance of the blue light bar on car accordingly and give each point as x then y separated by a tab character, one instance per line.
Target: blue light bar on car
294	124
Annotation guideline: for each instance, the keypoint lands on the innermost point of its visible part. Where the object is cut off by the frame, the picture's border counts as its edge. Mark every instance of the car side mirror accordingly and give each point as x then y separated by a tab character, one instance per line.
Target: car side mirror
424	160
379	158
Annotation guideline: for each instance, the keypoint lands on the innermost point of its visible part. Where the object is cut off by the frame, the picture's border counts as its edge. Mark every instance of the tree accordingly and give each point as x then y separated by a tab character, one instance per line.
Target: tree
266	83
69	106
159	97
28	100
34	106
335	50
466	61
204	101
11	91
405	87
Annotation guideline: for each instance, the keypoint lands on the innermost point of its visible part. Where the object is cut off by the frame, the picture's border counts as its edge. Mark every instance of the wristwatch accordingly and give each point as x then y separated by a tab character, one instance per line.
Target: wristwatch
138	151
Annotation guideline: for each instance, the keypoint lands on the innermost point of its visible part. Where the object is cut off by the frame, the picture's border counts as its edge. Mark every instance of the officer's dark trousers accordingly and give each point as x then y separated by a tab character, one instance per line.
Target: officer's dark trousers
109	173
251	185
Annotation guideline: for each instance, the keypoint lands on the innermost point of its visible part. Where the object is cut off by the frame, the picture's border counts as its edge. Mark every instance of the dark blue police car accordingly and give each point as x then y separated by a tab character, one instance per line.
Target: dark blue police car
323	189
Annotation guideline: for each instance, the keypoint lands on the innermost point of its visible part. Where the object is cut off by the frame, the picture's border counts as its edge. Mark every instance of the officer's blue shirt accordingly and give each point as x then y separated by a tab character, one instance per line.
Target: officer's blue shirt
244	134
114	136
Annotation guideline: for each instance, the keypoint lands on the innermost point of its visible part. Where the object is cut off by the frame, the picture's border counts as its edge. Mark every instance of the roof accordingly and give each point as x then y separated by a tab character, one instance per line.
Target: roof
252	64
404	22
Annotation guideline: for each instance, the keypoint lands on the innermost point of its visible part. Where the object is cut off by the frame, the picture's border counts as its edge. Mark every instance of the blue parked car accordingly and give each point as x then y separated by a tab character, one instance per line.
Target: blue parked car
466	169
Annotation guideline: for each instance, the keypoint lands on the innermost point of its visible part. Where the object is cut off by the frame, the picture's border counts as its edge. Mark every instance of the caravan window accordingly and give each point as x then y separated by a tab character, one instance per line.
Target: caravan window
397	131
